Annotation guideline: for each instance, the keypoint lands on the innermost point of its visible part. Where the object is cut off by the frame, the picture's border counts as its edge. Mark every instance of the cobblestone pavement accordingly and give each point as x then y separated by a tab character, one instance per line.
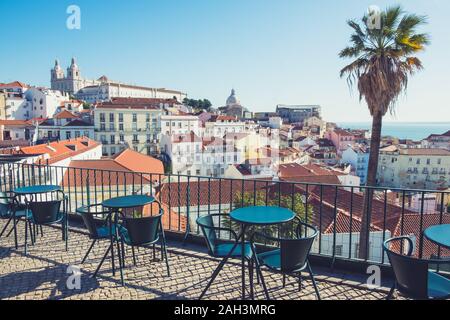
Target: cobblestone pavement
42	274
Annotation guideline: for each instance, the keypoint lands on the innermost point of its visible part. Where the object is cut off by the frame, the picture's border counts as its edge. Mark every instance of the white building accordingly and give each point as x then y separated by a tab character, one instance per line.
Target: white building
44	102
180	124
17	107
192	155
358	157
103	89
218	126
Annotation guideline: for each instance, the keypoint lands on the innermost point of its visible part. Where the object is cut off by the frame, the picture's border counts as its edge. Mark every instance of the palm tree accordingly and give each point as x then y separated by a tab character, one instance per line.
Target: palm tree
383	60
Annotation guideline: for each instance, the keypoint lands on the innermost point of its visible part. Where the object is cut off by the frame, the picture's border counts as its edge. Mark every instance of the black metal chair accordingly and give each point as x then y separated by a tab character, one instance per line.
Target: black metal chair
142	232
219	249
8	206
292	256
97	221
413	277
45	213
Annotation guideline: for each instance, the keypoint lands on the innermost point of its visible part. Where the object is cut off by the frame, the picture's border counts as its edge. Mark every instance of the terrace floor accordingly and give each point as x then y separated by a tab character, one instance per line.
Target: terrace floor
42	274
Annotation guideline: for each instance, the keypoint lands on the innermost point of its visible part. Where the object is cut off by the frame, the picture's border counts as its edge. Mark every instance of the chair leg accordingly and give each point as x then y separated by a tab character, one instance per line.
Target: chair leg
31	227
12	229
300	281
89	250
103	260
134	255
6	226
258	268
26	236
313	281
42	231
284	280
164	252
123	254
121	263
250	271
391	292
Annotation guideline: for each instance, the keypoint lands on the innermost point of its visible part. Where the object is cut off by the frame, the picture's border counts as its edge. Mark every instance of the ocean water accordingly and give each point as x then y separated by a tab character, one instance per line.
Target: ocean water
403	130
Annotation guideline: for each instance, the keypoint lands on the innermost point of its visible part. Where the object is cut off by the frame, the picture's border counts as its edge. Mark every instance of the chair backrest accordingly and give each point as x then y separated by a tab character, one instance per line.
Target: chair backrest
411	274
45	212
295	252
88	213
142	230
206	224
5	204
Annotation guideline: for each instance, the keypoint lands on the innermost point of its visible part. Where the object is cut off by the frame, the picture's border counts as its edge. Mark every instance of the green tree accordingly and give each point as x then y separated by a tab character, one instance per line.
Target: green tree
200	104
383	60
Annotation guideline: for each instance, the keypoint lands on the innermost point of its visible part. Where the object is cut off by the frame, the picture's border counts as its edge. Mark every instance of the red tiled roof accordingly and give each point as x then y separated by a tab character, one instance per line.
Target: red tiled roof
59	150
411	225
65	115
15	123
14	84
127	168
138	162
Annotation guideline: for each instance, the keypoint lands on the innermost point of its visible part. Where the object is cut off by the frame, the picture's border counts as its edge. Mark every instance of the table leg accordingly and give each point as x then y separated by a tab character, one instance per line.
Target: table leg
243	260
219	267
111	238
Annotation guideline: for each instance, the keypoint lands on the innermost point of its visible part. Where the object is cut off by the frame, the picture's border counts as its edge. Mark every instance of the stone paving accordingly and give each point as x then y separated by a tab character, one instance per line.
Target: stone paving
42	274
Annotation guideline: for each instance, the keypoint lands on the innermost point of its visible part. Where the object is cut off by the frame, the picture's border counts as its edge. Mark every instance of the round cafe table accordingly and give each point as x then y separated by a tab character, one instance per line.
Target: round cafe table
36	189
439	234
258	216
114	205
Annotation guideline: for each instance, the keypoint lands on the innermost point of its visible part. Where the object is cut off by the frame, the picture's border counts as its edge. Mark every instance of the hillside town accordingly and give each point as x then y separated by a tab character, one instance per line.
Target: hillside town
229	141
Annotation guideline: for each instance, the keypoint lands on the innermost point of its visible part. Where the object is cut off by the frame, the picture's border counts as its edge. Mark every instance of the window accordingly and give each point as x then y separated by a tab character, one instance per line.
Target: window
428	161
120	117
111	127
134	117
135	138
439	161
418	161
103	139
77	134
68	135
121	126
102	117
147	117
111	117
121	138
113	150
197	172
113	139
102	127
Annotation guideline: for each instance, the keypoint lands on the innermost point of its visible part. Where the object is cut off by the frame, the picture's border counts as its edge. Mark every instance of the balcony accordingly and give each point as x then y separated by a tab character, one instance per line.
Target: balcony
334	209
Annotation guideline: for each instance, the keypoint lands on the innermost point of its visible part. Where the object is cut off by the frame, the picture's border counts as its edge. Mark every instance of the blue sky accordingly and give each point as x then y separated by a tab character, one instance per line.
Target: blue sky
270	51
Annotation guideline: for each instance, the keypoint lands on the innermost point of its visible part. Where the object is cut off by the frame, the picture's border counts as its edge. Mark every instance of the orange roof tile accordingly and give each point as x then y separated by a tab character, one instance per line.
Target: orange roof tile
65	115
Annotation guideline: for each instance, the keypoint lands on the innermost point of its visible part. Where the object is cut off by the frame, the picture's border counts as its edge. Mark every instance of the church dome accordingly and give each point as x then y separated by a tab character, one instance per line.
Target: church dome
232	99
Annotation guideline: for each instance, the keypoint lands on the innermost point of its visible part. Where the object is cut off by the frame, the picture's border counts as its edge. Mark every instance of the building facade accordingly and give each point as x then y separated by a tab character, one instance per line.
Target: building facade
103	89
297	113
135	125
415	168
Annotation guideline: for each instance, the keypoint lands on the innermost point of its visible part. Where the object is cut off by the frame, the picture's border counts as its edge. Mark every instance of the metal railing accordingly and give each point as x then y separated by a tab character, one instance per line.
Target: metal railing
336	210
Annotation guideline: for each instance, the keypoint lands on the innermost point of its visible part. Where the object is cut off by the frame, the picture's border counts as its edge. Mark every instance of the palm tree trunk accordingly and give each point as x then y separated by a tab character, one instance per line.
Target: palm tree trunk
377	121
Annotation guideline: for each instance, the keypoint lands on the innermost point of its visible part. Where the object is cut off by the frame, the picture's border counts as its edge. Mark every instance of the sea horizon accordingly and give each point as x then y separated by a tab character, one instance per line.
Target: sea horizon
415	130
